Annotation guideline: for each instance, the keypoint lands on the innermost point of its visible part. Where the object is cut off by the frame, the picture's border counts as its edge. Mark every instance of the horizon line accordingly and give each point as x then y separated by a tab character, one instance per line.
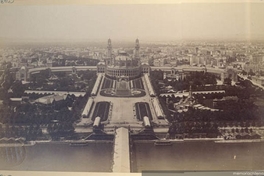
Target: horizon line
78	40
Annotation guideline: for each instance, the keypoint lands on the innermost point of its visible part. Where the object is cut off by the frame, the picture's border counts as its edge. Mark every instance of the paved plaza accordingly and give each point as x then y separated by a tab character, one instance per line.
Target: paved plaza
122	110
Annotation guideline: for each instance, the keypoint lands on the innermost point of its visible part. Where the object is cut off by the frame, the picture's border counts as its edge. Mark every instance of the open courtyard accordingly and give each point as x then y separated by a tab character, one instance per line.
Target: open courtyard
122	110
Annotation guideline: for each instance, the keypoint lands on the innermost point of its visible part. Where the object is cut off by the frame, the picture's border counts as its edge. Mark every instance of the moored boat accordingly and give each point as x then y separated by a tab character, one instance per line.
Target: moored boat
162	143
81	143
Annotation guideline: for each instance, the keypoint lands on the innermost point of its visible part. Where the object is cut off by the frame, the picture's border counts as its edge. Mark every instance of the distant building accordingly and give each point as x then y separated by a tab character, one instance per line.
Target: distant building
145	68
15	64
220	103
253	66
159	62
49	63
258	80
101	67
257	58
21	74
51	99
174	74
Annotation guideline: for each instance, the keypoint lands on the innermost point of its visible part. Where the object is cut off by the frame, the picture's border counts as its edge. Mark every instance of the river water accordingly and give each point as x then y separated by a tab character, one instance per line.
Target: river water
97	157
198	156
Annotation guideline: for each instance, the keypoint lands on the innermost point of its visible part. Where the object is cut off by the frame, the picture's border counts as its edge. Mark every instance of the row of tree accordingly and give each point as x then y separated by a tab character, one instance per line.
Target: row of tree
233	115
28	132
209	129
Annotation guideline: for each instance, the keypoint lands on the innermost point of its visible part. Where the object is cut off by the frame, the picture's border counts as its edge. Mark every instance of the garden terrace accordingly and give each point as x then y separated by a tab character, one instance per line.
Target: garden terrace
138	84
107	83
142	109
101	110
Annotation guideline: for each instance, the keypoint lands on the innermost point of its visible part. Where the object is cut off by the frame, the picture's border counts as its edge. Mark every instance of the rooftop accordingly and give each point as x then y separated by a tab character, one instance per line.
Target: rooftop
123	57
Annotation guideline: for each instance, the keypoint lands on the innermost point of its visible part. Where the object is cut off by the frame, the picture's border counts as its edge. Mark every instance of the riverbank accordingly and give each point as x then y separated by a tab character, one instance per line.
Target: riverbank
31	143
216	140
240	141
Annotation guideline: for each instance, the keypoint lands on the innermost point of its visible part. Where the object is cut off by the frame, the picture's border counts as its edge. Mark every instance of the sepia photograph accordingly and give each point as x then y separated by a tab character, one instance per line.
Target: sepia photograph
132	87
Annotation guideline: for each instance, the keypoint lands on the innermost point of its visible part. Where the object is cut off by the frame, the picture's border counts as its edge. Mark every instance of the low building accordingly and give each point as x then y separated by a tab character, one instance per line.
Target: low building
159	62
174	74
258	80
21	74
51	99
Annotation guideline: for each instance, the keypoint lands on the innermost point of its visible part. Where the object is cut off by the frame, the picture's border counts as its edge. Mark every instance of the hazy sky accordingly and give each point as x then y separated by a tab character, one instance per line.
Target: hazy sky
127	22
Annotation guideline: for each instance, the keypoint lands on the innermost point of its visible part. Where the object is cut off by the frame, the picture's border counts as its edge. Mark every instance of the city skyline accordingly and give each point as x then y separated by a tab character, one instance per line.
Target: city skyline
167	22
126	104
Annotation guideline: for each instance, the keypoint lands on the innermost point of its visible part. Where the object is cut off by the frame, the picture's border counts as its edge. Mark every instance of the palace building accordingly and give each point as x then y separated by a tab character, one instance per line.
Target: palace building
122	65
122	72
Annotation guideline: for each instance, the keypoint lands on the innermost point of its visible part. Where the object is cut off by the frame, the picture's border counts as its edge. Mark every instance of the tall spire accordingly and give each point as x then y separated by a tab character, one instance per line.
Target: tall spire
190	91
137	49
109	51
137	44
109	46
